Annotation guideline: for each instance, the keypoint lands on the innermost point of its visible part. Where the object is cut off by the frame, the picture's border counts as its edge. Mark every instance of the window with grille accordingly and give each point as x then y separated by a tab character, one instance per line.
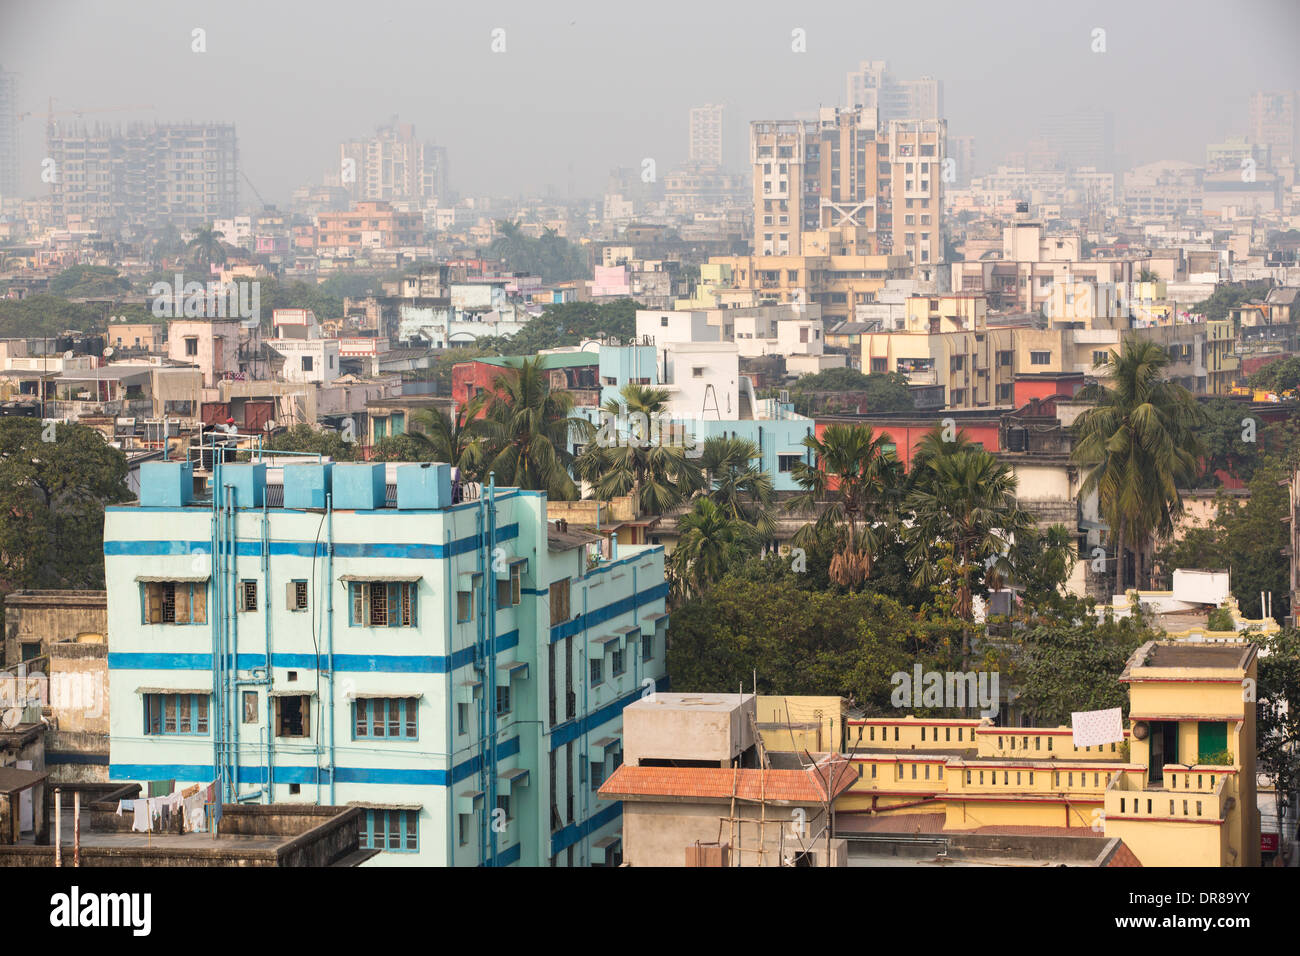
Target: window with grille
296	598
174	602
248	595
384	603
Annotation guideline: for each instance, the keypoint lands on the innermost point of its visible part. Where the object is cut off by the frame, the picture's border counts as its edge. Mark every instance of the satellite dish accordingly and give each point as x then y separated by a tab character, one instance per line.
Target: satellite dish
108	351
69	354
11	718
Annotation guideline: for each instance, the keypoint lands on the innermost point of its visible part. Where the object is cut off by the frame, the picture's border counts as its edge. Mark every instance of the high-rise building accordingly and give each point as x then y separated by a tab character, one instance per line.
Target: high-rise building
871	85
392	165
706	135
9	179
877	186
184	175
961	150
1082	138
1274	123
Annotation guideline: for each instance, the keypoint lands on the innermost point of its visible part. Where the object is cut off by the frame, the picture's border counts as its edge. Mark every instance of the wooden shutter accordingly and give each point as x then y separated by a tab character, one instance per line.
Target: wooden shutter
240	595
183	602
394	605
153	603
306	716
199	603
291	596
358	604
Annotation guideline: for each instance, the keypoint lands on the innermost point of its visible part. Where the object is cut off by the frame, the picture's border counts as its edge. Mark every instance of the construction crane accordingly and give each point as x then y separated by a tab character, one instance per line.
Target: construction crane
265	204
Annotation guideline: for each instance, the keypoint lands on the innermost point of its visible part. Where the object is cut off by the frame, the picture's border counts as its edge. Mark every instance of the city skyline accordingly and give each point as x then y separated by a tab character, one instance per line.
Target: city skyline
538	145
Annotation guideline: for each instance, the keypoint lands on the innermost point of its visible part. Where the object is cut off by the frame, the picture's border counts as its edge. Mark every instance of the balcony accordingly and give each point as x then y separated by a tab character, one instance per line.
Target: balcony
1127	798
121	408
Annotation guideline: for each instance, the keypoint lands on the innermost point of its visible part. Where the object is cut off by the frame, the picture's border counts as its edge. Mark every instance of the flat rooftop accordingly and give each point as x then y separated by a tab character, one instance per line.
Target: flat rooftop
1196	655
717	703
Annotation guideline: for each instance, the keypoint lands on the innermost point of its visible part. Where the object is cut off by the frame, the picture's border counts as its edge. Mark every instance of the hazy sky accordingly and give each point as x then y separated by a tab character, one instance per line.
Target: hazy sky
585	86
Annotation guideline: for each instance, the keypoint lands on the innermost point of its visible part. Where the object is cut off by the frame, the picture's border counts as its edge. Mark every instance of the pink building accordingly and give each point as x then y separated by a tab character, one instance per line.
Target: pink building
211	344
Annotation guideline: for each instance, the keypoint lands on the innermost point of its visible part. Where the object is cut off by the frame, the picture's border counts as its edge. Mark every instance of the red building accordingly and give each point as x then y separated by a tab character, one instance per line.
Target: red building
575	372
982	428
1030	385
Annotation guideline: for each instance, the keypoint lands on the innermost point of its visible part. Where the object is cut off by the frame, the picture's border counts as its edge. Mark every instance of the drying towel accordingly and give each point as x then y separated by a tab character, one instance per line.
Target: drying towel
195	820
125	805
141	821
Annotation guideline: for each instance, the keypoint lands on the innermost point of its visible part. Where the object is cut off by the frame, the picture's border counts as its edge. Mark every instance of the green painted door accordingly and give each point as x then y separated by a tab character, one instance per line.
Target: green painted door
1212	738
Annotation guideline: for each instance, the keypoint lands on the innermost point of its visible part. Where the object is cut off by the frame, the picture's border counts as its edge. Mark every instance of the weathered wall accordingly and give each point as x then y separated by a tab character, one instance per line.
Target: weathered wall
45	617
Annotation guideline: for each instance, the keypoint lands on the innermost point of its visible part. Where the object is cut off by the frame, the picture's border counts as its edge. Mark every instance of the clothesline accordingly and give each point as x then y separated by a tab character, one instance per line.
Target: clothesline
198	806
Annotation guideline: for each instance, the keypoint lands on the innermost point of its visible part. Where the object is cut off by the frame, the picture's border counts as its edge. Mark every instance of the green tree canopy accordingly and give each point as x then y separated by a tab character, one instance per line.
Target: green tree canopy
1072	661
52	498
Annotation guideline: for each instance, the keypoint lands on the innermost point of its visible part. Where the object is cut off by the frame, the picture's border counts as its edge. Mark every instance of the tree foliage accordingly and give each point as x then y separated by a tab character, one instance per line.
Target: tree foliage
800	641
1138	447
550	255
844	389
52	499
1072	661
1247	537
305	438
571	324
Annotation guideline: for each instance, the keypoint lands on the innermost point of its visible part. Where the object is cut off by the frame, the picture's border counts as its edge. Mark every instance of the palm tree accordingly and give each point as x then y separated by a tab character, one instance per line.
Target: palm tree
631	461
207	247
526	429
509	241
1138	447
710	541
968	500
736	482
862	480
456	440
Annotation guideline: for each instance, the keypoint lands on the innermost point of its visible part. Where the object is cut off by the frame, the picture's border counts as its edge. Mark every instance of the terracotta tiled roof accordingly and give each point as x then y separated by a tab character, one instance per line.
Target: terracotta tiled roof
716	783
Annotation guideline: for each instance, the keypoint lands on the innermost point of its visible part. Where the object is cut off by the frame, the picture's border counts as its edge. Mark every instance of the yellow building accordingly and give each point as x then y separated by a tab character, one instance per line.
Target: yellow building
1179	790
836	283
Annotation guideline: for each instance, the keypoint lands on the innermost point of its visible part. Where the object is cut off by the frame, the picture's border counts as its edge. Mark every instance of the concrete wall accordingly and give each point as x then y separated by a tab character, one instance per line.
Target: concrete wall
670	727
45	617
657	834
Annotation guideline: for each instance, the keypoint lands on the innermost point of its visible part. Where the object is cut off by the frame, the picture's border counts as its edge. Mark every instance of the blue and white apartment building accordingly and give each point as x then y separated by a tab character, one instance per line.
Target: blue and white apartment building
310	633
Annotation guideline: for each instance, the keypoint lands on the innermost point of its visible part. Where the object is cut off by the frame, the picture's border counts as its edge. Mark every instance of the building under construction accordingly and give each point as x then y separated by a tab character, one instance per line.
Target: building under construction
143	174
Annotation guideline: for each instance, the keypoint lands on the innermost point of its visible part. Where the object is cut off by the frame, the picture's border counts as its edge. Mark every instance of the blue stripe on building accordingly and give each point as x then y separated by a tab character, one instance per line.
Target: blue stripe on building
343	663
510	856
55	757
607	613
307	549
577	832
567	733
288	773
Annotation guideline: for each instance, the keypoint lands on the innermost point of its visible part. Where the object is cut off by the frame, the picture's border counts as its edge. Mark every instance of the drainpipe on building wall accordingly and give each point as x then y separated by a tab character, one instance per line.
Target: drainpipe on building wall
452	704
329	632
586	723
491	601
483	667
216	696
